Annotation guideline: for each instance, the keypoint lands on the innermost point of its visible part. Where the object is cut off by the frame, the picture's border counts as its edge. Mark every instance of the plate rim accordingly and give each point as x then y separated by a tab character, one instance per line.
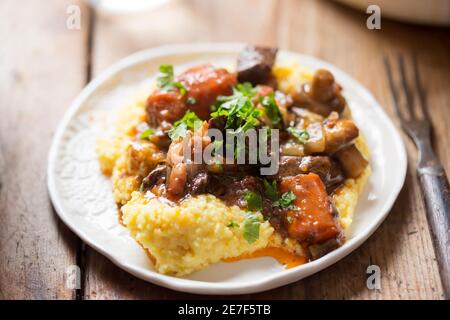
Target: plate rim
197	286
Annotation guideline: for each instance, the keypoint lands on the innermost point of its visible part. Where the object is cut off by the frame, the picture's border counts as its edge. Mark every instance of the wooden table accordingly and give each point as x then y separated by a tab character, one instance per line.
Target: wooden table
44	65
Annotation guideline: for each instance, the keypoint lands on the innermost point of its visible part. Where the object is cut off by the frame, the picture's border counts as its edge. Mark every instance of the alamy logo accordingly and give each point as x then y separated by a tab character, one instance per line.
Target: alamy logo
73	21
374	280
374	20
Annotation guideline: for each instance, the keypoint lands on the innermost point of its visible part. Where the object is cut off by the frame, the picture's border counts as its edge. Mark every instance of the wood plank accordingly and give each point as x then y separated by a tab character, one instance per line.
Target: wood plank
401	246
41	71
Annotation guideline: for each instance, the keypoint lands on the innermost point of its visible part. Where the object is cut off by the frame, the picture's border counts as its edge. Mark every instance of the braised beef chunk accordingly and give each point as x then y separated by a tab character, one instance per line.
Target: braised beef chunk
255	64
199	183
164	106
232	190
328	169
319	250
322	95
203	85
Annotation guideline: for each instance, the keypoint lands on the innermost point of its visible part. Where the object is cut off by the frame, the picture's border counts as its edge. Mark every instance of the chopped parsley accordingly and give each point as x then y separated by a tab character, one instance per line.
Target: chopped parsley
238	108
233	224
251	227
271	109
271	189
285	202
181	126
166	79
254	201
178	131
300	134
147	133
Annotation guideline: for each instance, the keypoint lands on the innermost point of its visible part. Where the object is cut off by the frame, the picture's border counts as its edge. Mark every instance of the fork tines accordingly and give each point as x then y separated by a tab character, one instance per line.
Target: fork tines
408	92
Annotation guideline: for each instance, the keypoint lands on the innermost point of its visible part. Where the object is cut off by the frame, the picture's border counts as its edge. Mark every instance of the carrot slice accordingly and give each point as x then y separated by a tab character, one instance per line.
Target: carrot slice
313	221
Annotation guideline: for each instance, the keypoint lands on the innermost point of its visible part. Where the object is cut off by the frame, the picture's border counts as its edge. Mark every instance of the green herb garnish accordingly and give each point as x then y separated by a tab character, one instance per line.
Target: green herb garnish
189	118
238	108
251	227
271	189
233	224
166	79
181	126
254	201
178	131
285	202
300	134
271	108
146	133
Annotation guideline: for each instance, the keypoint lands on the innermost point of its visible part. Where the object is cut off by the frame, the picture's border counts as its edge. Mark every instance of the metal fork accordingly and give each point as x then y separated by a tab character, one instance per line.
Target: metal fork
431	174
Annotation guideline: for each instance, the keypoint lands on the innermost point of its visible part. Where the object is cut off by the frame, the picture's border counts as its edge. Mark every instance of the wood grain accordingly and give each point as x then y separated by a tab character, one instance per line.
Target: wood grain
41	71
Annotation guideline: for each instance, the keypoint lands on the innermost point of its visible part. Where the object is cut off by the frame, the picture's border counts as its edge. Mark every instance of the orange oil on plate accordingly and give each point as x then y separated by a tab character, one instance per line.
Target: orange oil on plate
284	257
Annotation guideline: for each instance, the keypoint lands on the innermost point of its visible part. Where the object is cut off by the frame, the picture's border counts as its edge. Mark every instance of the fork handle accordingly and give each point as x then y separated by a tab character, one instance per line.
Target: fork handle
436	191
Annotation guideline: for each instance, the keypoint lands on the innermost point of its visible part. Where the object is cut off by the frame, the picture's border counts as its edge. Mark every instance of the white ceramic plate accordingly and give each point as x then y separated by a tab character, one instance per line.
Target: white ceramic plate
83	199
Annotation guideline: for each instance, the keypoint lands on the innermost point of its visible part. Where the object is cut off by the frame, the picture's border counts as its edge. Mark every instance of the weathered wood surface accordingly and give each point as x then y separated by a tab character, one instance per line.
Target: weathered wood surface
401	246
42	68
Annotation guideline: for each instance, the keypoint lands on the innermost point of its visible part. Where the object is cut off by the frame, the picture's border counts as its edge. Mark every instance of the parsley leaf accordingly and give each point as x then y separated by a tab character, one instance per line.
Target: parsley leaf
238	108
285	202
147	133
165	80
181	126
166	76
178	131
271	190
254	201
300	134
233	224
251	228
190	118
271	108
246	89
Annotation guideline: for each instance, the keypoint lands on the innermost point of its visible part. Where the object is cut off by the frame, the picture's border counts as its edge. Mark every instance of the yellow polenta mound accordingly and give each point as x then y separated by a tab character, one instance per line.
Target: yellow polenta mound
191	236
